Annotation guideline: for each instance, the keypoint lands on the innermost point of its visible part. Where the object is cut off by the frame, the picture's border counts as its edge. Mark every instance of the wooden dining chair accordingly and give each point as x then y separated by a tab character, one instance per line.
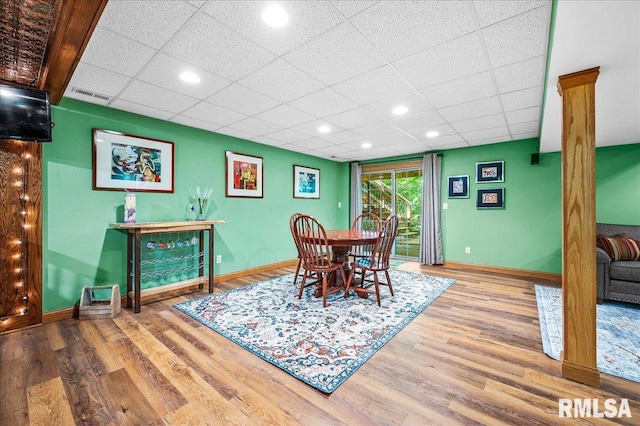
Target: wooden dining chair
316	256
378	261
368	222
291	222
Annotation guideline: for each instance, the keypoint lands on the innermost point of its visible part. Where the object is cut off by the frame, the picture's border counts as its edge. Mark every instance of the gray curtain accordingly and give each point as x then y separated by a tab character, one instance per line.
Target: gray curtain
356	192
431	247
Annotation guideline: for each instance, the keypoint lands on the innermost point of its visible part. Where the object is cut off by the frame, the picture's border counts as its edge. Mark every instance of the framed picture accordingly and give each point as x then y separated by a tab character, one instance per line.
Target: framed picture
458	186
490	172
133	163
244	176
306	182
490	198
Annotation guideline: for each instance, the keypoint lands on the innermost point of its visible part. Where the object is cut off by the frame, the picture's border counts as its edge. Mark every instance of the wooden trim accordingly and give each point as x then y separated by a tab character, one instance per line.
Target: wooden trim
544	276
76	22
257	270
392	166
579	294
153	291
61	314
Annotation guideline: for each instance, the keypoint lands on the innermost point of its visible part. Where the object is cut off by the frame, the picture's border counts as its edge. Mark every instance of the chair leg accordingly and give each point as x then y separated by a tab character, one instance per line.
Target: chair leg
304	280
377	286
389	281
348	286
324	290
297	271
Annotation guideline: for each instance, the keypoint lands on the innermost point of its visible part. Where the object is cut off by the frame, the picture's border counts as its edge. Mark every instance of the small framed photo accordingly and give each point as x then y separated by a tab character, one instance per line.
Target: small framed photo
490	198
458	186
306	182
134	163
244	176
490	172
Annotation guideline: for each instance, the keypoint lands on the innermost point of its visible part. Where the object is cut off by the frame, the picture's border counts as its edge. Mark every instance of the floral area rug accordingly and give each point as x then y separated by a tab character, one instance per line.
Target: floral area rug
321	347
617	331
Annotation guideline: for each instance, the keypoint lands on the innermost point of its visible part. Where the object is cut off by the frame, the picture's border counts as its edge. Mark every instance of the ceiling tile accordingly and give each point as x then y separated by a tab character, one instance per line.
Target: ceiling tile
471	88
213	114
313	143
455	59
116	53
282	81
374	86
486	106
198	124
163	99
140	109
529	135
268	141
138	19
323	103
208	44
377	129
518	38
98	80
442	129
481	123
412	101
495	134
522	99
235	133
523	115
341	137
256	126
521	75
285	116
493	11
393	139
422	120
528	127
307	19
311	128
329	59
350	8
400	29
164	71
287	136
447	140
241	99
357	117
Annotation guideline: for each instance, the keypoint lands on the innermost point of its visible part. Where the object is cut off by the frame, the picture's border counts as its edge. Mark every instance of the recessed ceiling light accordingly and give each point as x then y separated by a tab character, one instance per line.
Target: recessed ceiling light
324	129
366	144
190	77
400	109
432	134
275	16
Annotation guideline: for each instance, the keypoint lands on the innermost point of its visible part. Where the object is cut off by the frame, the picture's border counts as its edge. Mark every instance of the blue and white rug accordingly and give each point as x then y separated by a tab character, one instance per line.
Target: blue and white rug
617	331
320	346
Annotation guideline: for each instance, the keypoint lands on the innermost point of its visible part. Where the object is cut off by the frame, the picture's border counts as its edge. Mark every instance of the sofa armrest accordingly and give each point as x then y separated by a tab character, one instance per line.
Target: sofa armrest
602	256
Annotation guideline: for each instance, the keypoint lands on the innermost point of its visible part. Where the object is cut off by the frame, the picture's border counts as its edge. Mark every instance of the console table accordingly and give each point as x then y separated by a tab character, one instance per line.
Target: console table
135	230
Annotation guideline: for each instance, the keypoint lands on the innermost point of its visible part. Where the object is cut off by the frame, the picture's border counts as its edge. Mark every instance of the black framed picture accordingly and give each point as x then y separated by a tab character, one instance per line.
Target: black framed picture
490	198
458	186
492	171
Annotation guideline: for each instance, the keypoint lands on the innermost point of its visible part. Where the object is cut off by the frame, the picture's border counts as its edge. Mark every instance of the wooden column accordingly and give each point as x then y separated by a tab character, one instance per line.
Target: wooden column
578	226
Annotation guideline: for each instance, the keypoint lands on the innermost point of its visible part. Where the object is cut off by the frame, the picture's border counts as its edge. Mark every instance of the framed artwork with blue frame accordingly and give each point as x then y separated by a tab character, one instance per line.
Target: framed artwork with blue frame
490	198
306	182
458	186
489	172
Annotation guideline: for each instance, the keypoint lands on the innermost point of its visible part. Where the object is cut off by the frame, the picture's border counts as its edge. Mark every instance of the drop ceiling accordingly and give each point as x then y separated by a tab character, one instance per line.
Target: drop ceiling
474	71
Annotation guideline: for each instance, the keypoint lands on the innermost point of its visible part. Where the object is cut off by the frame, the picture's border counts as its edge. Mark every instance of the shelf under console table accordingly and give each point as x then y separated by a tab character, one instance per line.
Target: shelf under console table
134	255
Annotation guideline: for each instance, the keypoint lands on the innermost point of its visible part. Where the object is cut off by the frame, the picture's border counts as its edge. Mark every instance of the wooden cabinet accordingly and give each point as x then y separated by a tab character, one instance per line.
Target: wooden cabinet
136	260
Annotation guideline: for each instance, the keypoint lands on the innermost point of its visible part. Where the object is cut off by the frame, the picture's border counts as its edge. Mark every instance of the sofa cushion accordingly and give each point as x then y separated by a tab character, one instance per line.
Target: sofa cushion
618	247
625	271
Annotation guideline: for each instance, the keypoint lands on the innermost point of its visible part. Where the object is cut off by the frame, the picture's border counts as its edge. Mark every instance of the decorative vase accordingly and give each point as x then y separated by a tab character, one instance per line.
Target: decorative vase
200	217
129	207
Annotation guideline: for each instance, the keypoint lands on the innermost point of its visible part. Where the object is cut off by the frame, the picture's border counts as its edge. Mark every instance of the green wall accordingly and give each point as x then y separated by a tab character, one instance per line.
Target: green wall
527	233
79	247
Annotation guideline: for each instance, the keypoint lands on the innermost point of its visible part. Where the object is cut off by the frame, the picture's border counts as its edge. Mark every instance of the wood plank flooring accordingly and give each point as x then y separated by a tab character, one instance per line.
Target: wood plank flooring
473	357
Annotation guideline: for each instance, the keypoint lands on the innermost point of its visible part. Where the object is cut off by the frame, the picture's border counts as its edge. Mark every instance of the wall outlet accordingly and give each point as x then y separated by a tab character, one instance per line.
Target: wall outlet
467	250
219	258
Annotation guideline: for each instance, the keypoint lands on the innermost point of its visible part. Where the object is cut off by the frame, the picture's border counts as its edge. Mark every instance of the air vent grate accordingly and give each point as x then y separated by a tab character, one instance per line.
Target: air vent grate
90	94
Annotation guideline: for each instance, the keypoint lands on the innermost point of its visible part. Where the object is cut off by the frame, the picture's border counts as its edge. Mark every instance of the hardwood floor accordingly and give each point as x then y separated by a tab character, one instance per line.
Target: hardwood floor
473	357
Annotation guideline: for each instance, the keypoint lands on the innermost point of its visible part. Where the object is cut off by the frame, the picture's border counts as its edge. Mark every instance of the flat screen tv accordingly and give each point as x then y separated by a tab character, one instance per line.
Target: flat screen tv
25	114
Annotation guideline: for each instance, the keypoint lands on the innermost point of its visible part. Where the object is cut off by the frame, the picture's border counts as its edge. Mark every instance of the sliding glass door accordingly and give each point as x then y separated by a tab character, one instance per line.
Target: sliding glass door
397	191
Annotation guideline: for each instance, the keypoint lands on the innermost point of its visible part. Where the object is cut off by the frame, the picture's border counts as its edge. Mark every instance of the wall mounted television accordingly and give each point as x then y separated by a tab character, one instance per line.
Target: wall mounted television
25	114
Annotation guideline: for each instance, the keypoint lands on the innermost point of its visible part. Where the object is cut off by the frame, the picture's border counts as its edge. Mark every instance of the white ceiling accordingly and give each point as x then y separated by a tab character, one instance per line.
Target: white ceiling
474	71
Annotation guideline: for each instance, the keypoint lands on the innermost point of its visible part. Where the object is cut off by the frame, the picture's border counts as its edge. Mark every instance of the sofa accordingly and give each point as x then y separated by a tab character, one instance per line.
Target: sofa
618	262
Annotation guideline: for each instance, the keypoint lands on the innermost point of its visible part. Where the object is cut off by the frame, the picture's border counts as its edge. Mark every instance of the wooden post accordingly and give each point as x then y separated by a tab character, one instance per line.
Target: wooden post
578	226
